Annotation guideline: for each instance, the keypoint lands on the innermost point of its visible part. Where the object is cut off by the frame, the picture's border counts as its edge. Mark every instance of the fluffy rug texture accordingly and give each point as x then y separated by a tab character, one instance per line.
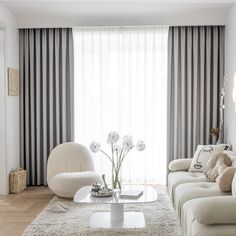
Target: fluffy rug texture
64	217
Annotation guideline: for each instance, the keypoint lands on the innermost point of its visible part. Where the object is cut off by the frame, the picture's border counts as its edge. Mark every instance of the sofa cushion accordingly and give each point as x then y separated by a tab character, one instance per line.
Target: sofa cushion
215	210
192	227
213	230
189	191
181	177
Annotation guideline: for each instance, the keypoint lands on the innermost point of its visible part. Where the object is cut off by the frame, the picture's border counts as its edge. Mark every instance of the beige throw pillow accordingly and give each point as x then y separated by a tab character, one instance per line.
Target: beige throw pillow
216	165
202	155
225	179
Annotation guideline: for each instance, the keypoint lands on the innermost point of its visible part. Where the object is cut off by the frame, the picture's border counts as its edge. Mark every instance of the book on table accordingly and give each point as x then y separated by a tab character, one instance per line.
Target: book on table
131	193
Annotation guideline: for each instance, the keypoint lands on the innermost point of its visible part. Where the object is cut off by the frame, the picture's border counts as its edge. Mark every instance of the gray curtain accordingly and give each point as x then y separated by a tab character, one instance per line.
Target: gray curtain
46	96
195	75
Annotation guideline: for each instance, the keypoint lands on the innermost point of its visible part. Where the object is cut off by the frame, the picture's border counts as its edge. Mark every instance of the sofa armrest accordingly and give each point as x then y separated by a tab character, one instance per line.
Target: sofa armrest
180	164
215	210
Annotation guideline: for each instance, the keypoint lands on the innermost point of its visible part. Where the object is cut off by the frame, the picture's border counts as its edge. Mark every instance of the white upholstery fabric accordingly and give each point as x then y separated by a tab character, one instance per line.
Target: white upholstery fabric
204	210
66	184
234	185
216	210
180	164
192	227
187	217
213	230
180	177
70	166
189	191
69	157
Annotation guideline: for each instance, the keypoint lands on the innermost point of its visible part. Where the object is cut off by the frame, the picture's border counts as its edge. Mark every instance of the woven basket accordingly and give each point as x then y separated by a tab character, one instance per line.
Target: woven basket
17	180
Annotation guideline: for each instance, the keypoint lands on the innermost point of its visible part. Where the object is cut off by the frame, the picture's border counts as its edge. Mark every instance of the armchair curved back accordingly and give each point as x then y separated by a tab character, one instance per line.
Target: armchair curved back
69	157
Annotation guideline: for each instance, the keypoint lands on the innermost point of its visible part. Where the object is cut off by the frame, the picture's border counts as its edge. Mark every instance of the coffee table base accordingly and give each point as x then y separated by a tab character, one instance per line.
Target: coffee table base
103	220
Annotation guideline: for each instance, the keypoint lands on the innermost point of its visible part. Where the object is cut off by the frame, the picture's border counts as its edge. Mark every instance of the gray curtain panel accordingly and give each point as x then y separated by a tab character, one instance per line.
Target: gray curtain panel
46	96
195	75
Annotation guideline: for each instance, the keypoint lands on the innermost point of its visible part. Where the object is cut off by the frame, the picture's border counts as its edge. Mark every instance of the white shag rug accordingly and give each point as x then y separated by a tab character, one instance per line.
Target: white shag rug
63	217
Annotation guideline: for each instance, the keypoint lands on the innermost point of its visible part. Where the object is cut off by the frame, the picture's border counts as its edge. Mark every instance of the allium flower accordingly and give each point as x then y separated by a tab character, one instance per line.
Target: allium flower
117	148
128	141
94	147
112	137
140	145
128	137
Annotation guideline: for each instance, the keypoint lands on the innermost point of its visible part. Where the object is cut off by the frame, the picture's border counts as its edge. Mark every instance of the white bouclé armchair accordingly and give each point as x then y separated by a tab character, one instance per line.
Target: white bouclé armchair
70	167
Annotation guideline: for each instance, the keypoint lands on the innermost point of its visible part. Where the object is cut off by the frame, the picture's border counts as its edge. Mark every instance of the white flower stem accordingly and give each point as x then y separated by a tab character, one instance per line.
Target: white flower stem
117	158
113	164
122	159
112	152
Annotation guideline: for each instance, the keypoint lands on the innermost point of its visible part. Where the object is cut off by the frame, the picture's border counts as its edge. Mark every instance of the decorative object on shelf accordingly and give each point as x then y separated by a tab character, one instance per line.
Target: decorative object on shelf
222	108
99	190
13	82
18	180
215	132
234	92
118	153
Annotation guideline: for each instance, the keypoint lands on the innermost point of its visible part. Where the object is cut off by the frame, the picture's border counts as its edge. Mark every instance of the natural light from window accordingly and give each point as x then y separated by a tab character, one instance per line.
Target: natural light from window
121	85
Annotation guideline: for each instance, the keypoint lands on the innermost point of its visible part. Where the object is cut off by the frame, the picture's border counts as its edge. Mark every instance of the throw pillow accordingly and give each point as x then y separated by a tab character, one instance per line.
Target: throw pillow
180	164
225	179
202	155
232	157
216	165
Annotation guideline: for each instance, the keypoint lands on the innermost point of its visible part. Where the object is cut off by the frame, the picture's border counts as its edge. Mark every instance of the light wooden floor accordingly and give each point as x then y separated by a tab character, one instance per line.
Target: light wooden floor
17	211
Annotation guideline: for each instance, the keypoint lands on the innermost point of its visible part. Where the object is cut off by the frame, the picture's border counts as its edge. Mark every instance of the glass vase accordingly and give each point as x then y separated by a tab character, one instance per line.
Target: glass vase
116	179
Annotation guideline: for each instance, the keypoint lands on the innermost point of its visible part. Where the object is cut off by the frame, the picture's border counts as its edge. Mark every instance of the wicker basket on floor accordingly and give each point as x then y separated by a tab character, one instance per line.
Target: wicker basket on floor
17	180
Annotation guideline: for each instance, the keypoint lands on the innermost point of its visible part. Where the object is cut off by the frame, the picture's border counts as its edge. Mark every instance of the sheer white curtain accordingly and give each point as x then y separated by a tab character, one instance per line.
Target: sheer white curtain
121	85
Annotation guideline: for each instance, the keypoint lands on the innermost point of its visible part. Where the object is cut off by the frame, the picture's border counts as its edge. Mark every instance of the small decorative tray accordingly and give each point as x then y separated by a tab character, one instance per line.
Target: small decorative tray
99	190
102	193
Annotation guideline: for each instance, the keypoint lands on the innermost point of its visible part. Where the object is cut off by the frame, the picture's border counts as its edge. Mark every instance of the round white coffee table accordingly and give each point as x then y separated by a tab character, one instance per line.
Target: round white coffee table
117	217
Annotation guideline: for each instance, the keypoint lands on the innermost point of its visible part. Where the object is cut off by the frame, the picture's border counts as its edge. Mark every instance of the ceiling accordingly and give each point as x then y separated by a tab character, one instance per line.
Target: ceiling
41	13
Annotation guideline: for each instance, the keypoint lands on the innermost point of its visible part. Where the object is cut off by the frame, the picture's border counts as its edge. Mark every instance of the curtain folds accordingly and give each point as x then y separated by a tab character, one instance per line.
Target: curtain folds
121	84
46	96
195	75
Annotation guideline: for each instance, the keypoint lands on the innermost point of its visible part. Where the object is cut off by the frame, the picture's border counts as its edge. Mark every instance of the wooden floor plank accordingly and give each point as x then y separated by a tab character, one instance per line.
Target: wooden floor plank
17	211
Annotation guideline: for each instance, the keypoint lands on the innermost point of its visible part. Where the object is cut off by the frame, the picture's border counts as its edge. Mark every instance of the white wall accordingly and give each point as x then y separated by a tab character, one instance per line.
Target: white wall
2	111
9	113
230	66
35	13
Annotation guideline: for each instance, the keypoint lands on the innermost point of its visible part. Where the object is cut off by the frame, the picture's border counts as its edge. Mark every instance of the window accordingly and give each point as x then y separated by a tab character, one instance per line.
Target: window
121	85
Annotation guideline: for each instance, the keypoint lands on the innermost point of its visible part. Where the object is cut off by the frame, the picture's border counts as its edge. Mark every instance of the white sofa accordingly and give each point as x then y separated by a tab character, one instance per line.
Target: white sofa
70	167
203	209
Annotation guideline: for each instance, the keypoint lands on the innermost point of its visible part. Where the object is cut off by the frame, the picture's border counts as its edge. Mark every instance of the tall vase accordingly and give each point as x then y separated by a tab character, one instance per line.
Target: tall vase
116	179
